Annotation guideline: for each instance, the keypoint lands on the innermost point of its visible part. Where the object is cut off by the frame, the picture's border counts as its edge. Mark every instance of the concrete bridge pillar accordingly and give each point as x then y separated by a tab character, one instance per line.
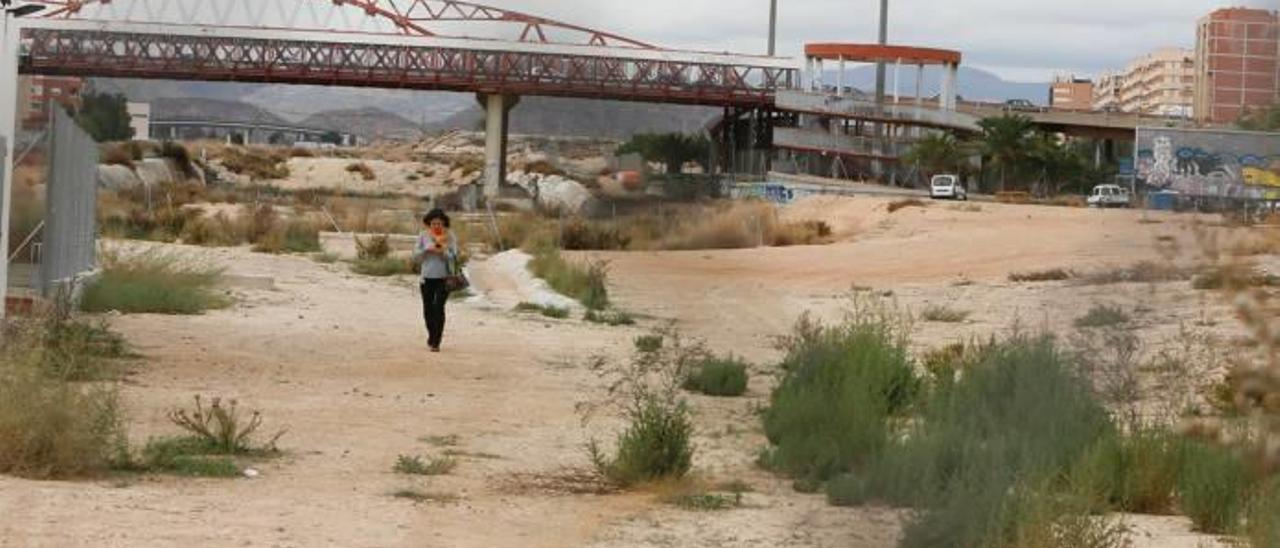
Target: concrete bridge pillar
947	99
497	107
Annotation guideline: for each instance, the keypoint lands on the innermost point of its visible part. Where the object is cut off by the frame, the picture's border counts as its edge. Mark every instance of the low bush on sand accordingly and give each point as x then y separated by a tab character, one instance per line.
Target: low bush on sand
717	376
897	205
585	283
840	385
1050	275
943	314
153	282
52	427
656	444
362	169
1102	316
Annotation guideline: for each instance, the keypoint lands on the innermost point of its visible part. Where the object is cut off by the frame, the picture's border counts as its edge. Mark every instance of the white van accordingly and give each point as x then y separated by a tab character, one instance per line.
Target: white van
1109	196
947	186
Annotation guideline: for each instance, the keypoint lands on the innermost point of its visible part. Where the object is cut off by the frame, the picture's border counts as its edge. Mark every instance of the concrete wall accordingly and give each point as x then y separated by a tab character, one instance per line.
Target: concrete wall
1236	164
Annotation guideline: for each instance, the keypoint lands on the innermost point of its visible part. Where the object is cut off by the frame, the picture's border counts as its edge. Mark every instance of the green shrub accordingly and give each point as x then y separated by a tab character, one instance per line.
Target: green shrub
580	234
649	343
943	314
719	377
655	445
185	456
1102	316
219	230
297	236
51	427
612	318
1212	488
414	464
1263	528
1137	473
153	282
840	386
221	429
549	311
79	351
584	283
384	267
1050	275
1017	419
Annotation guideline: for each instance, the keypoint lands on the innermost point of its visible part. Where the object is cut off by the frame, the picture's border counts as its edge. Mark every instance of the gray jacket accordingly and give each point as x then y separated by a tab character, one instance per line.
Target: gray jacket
435	266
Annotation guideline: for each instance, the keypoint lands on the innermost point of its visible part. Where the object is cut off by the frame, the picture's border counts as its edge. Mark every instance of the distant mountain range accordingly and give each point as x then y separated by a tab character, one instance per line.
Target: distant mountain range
405	114
972	84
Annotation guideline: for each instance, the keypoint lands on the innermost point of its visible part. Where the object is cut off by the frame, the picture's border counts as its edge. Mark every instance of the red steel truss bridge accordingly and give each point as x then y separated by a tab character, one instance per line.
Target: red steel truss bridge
412	44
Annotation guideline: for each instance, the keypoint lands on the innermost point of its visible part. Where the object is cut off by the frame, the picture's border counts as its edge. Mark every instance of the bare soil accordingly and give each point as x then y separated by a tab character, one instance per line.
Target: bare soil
341	361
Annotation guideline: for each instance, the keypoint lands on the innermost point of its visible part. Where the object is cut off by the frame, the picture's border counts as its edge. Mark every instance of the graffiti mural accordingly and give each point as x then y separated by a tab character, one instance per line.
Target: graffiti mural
1228	164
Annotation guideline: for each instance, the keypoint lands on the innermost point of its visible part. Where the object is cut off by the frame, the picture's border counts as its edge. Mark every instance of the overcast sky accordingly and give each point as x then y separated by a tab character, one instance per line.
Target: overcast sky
1027	40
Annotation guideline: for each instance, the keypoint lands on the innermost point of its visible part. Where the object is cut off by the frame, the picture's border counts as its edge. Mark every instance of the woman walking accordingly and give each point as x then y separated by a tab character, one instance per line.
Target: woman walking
437	253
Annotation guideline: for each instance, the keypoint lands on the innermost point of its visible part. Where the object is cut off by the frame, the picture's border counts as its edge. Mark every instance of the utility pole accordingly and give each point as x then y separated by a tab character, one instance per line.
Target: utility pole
884	39
773	27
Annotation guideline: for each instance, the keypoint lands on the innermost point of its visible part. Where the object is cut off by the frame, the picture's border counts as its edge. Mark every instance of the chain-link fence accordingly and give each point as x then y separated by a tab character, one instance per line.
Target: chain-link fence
69	238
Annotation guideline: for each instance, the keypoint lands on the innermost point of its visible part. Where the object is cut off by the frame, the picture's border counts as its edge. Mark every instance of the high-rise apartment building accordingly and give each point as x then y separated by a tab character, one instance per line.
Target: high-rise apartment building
1237	63
1161	83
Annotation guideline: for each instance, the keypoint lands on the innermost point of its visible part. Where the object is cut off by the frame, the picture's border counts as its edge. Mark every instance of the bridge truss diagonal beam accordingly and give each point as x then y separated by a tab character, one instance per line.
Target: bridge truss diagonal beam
144	51
410	17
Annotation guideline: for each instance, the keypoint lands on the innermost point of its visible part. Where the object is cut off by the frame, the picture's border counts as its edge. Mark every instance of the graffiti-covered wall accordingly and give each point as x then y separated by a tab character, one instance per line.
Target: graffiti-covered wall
1234	164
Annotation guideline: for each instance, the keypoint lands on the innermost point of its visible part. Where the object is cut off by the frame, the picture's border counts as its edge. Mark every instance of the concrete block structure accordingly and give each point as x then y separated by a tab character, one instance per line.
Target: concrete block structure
1237	59
1071	93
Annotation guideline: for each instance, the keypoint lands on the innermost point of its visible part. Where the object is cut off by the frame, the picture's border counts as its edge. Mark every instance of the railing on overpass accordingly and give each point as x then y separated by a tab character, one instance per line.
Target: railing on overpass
809	140
923	114
135	50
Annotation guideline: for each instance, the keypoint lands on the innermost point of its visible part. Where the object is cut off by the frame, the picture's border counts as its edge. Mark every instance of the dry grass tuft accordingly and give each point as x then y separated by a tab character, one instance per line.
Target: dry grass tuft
362	169
1050	275
903	204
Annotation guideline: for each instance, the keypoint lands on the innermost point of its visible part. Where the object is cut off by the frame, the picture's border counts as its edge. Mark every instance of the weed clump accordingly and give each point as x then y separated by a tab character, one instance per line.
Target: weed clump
1213	488
943	314
718	377
384	267
549	311
896	205
656	444
983	445
153	282
1102	316
221	429
415	465
840	385
584	283
362	169
51	427
1050	275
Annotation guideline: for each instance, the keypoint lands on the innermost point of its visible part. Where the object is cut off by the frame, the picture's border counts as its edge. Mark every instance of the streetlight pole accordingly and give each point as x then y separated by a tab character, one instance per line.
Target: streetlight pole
8	127
884	39
773	27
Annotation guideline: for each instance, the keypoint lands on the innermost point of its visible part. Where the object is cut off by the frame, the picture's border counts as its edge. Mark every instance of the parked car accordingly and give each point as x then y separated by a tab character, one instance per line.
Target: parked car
947	186
1020	105
1109	196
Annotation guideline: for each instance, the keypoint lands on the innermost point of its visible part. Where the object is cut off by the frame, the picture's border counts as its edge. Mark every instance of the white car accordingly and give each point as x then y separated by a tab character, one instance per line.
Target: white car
1109	196
947	186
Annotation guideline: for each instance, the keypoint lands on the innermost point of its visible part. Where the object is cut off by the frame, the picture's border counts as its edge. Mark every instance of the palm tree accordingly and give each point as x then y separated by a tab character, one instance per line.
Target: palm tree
1006	140
937	153
1058	164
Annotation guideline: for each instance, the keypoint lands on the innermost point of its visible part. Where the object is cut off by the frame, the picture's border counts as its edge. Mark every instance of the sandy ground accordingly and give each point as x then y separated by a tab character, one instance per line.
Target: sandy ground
341	361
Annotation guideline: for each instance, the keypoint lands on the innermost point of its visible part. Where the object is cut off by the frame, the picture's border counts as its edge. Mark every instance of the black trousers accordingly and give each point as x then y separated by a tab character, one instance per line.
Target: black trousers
434	296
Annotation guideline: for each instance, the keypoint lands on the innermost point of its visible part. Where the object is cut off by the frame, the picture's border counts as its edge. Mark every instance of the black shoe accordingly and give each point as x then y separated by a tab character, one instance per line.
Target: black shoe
435	349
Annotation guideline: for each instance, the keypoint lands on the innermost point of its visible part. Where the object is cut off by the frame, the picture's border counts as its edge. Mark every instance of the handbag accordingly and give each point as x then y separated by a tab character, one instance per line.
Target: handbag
457	279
